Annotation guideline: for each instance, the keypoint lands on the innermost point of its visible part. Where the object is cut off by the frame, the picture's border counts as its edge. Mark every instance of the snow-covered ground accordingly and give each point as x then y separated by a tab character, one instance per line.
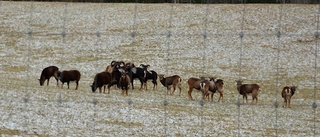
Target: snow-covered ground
184	39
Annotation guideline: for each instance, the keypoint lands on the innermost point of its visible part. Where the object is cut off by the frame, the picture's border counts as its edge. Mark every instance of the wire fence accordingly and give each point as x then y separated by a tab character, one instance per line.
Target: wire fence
274	49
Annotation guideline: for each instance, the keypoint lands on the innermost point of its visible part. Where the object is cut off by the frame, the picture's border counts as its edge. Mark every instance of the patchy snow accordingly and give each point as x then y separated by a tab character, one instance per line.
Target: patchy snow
184	39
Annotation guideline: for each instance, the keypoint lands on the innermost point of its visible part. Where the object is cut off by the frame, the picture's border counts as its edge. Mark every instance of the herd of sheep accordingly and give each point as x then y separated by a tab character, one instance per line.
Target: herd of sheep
122	75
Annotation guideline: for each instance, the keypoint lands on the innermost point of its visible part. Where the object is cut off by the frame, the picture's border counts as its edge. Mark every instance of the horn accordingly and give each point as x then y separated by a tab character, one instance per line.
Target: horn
130	64
121	62
113	62
142	65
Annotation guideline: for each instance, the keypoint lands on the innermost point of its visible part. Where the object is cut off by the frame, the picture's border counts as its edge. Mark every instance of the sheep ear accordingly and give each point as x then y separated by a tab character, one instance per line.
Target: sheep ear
239	80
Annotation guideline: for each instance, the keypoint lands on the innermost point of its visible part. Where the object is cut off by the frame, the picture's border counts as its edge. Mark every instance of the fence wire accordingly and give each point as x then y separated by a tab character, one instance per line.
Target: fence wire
55	111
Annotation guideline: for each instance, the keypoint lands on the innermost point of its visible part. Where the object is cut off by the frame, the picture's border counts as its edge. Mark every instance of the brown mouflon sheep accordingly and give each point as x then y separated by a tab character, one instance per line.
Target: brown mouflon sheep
101	80
47	73
69	75
174	81
215	85
124	82
287	93
247	89
198	84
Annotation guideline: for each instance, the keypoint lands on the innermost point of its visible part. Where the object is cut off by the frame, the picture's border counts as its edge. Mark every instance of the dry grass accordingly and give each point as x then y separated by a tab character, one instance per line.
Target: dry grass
31	110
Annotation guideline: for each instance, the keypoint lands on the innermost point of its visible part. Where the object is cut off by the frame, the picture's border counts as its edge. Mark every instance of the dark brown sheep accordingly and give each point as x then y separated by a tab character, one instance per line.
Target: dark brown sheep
287	93
47	73
102	79
69	75
247	89
174	81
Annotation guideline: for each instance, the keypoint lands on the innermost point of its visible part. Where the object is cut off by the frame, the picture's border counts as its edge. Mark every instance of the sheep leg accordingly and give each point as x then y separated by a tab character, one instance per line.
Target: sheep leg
243	98
288	102
246	99
252	100
146	85
204	93
141	85
212	97
55	75
109	85
256	99
208	96
179	86
77	84
132	83
284	102
204	96
255	94
221	96
99	89
189	94
127	91
155	85
68	84
48	81
174	89
104	89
